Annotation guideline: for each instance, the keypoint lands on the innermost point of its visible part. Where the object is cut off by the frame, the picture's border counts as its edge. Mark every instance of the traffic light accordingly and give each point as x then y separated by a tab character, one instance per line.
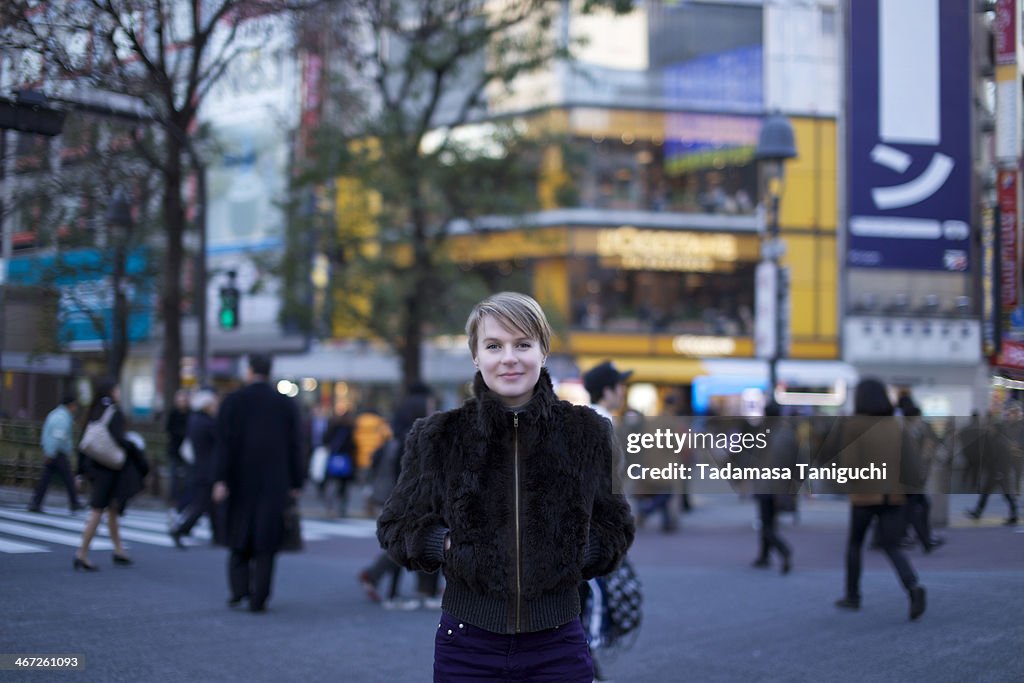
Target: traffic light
229	299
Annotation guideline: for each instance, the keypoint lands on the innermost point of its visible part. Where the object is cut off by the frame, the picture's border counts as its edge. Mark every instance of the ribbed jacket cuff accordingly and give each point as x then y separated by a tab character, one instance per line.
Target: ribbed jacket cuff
592	554
433	545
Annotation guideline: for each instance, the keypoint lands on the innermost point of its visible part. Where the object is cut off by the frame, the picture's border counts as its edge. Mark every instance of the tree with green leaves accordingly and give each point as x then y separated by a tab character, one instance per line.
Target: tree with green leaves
415	155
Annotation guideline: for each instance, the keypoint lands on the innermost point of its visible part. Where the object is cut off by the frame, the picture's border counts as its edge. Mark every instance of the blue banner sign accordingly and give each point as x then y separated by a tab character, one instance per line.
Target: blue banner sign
84	279
909	134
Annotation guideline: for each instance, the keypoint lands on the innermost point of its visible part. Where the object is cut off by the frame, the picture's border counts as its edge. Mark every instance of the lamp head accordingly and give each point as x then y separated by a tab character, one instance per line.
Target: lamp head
775	141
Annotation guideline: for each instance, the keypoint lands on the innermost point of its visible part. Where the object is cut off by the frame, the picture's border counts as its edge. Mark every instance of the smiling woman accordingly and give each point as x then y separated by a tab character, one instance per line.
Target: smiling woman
508	347
511	495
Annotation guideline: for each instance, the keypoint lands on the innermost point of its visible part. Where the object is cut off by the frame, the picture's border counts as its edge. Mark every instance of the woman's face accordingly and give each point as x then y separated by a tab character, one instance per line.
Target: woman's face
509	361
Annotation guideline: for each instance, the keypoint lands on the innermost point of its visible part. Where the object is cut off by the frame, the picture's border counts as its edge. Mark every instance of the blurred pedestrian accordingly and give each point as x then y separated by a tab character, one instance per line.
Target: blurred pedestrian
201	433
111	488
177	468
341	461
781	452
869	438
370	431
315	428
606	387
918	444
511	494
259	472
58	443
418	402
1001	462
970	440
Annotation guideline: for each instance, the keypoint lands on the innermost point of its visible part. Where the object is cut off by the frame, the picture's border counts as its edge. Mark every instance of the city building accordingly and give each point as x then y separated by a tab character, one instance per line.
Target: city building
649	234
651	226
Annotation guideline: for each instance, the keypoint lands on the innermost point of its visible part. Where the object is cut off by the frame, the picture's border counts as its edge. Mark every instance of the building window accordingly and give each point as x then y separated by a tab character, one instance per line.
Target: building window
614	300
703	165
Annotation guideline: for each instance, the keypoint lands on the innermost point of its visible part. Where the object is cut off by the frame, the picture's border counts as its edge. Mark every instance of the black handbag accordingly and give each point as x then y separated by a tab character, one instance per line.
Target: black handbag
623	597
291	541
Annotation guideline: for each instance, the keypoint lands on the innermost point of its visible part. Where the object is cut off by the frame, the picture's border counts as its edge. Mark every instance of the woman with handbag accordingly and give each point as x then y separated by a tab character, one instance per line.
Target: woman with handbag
341	448
511	495
111	473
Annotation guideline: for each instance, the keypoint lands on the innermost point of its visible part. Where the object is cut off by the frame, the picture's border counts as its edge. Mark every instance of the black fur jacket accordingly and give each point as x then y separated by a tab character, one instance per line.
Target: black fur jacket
526	498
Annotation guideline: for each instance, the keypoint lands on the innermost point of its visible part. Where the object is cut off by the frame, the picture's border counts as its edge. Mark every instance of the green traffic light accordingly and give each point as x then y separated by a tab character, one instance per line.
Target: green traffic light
228	316
227	319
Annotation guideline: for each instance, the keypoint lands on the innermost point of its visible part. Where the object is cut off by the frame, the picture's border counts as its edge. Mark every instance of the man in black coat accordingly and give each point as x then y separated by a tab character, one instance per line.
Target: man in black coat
259	472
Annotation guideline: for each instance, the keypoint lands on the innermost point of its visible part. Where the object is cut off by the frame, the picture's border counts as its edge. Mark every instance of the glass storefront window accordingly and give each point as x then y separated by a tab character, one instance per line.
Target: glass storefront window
611	300
677	175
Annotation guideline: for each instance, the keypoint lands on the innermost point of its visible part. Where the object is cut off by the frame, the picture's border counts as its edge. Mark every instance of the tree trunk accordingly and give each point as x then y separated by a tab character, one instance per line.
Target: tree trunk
411	349
118	344
170	299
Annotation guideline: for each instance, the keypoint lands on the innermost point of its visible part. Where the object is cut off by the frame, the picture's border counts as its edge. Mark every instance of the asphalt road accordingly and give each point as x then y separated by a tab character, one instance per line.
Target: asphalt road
708	615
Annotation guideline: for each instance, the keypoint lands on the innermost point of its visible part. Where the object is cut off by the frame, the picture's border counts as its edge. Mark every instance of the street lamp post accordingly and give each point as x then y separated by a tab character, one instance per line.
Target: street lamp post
775	145
119	220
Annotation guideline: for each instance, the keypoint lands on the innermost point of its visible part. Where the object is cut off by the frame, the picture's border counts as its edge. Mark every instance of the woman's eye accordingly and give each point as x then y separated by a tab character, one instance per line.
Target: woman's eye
525	345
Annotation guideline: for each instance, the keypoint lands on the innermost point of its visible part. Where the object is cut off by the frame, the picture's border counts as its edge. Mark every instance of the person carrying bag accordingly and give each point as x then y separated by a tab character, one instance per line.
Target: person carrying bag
340	467
99	444
114	465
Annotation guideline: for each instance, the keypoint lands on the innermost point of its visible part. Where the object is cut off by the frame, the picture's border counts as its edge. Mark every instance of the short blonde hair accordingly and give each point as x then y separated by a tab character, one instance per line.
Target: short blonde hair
515	311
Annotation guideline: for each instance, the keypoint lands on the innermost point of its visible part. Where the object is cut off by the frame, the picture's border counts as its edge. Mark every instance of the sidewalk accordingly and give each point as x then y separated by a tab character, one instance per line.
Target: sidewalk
310	504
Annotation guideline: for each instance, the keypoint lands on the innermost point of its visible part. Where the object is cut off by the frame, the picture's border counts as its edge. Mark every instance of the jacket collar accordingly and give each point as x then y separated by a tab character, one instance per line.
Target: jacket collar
492	414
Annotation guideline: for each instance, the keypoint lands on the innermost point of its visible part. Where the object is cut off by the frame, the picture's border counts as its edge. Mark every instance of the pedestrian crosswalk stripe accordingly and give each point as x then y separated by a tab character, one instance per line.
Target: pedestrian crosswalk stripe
76	524
312	529
14	547
58	537
346	528
146	527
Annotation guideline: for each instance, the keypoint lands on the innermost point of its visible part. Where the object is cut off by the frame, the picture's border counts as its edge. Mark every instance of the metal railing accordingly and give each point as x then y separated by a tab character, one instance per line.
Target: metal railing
21	457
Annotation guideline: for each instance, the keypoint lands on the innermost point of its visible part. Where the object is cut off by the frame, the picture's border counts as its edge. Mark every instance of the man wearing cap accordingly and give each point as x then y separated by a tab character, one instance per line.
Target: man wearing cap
58	444
607	388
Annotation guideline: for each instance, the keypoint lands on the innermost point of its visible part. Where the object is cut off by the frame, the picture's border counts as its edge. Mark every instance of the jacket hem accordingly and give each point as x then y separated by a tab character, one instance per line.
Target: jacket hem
498	614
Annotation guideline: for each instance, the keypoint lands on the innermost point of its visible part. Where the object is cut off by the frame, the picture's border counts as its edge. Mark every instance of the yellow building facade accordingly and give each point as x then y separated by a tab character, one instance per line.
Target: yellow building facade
644	268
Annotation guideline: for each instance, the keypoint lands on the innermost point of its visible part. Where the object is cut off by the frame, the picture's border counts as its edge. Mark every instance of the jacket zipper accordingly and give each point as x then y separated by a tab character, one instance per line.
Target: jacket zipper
519	578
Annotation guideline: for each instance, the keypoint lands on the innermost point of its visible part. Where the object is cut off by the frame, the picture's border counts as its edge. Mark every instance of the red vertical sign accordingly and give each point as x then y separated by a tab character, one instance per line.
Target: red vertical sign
1005	30
312	101
1009	277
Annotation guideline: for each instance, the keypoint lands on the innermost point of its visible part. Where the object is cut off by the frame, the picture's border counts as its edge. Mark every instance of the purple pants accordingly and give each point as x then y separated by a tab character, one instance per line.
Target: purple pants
464	653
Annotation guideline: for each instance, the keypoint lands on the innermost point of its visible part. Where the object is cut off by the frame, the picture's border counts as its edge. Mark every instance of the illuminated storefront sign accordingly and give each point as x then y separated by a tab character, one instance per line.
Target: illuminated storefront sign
693	345
667	250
